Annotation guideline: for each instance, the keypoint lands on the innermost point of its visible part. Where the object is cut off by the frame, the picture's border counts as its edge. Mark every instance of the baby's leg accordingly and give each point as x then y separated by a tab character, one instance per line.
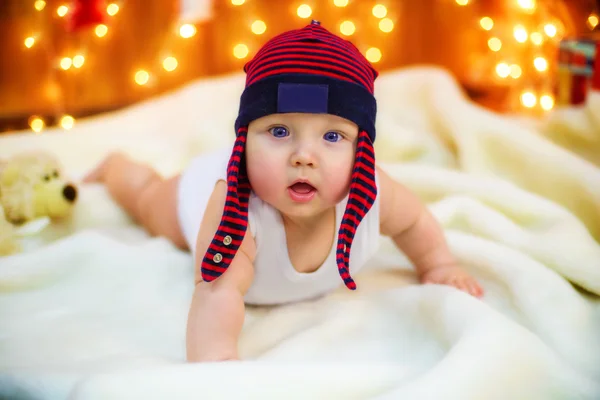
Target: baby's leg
147	197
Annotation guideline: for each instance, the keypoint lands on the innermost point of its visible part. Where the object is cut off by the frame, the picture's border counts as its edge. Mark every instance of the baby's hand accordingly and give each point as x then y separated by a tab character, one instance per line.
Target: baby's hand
453	276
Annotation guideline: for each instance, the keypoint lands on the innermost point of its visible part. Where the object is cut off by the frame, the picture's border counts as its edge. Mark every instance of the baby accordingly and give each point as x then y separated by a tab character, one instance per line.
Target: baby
299	203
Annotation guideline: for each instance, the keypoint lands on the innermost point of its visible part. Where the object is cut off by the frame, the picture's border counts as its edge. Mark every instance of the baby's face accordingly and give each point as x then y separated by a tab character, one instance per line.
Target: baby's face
301	164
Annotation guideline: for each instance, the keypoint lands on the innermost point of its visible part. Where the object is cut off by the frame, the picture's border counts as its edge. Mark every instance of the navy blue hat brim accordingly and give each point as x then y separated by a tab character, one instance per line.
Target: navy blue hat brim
289	93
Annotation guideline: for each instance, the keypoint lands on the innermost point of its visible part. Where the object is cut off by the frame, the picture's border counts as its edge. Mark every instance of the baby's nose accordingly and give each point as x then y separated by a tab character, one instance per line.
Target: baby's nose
70	193
303	161
303	157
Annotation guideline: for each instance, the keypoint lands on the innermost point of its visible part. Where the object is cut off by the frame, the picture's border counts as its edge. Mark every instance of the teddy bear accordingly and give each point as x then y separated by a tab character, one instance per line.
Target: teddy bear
8	239
32	188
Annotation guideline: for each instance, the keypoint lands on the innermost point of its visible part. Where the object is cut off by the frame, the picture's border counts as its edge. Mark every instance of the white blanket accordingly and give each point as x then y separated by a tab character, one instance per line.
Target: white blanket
96	309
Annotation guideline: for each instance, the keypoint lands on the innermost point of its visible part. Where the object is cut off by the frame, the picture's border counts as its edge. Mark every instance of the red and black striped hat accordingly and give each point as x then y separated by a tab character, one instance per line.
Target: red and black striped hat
304	70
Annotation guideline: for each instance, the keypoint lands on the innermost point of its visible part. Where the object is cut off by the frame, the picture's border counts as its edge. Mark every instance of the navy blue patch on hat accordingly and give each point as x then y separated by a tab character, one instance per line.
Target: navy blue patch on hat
302	98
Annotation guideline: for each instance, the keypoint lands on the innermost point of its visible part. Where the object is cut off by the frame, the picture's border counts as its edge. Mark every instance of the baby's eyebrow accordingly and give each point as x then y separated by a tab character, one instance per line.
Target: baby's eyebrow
350	131
341	127
276	122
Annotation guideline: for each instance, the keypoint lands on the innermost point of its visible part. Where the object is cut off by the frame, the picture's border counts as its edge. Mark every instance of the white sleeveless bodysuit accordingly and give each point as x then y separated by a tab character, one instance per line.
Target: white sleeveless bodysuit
275	279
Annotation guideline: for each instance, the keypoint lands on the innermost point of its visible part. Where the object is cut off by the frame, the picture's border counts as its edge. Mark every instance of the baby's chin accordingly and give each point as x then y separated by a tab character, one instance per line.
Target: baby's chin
312	209
303	211
286	205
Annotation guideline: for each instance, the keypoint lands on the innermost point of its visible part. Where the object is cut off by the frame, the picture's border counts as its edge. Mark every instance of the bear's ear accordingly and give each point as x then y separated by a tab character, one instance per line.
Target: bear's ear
9	175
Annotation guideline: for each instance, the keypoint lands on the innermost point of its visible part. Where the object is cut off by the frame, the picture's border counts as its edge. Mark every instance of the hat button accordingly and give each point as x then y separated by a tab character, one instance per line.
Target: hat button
315	22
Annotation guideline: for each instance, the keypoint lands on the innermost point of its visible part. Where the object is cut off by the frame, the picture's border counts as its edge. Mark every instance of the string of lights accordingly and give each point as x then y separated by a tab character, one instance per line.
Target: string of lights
522	52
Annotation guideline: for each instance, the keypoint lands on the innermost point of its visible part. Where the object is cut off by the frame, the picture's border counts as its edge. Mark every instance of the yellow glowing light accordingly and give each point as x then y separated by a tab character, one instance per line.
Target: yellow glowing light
258	27
379	11
540	63
78	61
592	21
30	41
528	99
112	9
186	31
142	77
62	11
503	70
170	63
347	28
547	102
494	44
520	33
536	38
462	2
386	25
65	63
240	51
67	122
486	23
373	54
340	3
515	71
39	5
101	30
238	2
36	124
550	30
526	4
304	11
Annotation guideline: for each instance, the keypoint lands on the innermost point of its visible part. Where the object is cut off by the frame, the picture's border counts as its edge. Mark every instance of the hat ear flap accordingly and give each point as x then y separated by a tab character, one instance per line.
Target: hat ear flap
234	221
363	191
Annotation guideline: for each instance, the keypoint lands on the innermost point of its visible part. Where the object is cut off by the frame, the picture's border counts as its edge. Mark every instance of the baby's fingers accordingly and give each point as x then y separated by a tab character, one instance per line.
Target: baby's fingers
471	286
474	288
465	284
461	284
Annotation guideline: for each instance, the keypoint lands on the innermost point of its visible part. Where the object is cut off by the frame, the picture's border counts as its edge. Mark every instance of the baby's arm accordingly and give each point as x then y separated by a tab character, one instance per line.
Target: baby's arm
216	314
416	232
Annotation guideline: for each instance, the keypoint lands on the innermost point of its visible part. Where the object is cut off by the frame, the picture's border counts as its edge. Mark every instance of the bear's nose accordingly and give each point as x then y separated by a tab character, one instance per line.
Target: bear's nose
70	193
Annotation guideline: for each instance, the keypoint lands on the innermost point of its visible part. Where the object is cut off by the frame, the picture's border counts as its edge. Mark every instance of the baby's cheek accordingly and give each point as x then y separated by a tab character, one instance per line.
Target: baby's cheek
265	175
337	181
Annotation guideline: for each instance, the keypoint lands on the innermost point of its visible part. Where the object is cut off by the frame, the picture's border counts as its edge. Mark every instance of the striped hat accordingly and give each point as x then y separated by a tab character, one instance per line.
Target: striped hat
304	70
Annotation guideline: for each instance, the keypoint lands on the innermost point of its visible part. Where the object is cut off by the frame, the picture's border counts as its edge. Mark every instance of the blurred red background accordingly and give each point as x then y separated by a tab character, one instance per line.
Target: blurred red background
496	48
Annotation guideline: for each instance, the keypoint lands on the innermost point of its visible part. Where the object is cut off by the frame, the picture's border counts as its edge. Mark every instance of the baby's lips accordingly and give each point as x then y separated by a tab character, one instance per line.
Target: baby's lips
302	187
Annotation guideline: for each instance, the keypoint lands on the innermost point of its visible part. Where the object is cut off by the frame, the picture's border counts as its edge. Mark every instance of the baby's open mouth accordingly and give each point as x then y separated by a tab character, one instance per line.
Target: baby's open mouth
302	187
302	192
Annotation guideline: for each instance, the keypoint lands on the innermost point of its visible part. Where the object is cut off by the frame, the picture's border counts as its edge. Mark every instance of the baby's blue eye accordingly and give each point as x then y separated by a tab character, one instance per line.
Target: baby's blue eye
279	131
332	137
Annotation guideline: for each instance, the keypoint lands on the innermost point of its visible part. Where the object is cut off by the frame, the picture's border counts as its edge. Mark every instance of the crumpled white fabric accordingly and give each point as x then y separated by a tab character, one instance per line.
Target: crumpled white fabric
96	309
